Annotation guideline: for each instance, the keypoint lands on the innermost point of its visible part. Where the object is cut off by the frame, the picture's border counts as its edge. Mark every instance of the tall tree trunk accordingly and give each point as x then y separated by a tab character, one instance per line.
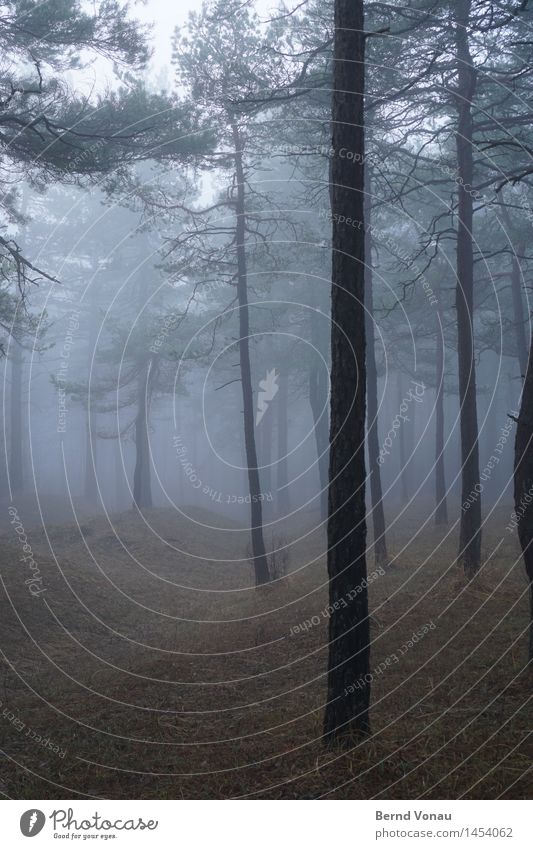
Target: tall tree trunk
516	292
91	487
349	636
119	474
318	396
523	484
4	489
518	309
179	430
401	440
16	459
16	463
283	505
441	510
142	485
265	452
376	491
470	532
258	543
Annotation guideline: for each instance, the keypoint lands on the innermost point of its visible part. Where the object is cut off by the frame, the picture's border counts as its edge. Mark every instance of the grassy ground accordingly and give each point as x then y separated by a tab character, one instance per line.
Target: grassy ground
155	673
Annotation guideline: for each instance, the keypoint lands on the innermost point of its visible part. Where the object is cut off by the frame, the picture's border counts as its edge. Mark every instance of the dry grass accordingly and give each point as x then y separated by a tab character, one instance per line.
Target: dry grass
157	686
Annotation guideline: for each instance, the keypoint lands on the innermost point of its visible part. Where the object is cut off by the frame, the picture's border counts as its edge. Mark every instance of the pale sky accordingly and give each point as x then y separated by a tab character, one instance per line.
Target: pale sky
164	15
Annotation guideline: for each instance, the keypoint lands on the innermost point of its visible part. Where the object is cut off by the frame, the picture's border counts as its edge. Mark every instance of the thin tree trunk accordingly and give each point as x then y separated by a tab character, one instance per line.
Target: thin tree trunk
142	486
283	505
349	637
179	430
91	487
258	543
266	431
470	532
518	304
523	484
318	396
518	310
401	440
16	464
410	442
376	491
119	475
441	510
4	445
16	460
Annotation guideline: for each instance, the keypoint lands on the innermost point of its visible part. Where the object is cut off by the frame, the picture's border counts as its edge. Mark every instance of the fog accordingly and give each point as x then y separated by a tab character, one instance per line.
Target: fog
75	363
267	400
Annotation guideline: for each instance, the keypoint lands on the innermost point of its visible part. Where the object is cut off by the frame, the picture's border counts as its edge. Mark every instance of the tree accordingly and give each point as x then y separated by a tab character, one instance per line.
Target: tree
470	529
523	483
222	63
441	509
376	490
46	133
349	635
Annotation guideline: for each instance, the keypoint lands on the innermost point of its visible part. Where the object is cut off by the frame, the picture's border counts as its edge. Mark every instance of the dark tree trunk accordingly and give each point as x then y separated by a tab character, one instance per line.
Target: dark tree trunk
16	463
179	430
441	510
401	441
318	397
283	504
470	532
349	638
265	452
91	487
120	479
518	310
258	543
376	491
519	319
523	484
142	485
3	453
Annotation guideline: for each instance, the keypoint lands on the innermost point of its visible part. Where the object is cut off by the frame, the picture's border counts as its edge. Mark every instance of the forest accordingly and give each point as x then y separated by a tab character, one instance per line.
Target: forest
266	486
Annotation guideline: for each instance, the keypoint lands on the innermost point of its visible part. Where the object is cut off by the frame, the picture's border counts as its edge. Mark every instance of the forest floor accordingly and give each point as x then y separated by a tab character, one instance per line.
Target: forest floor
142	671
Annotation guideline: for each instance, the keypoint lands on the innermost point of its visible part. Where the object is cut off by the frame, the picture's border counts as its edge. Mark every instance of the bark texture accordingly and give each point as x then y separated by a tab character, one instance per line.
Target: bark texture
258	543
349	639
142	486
283	501
441	509
376	490
16	466
470	531
318	396
523	485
